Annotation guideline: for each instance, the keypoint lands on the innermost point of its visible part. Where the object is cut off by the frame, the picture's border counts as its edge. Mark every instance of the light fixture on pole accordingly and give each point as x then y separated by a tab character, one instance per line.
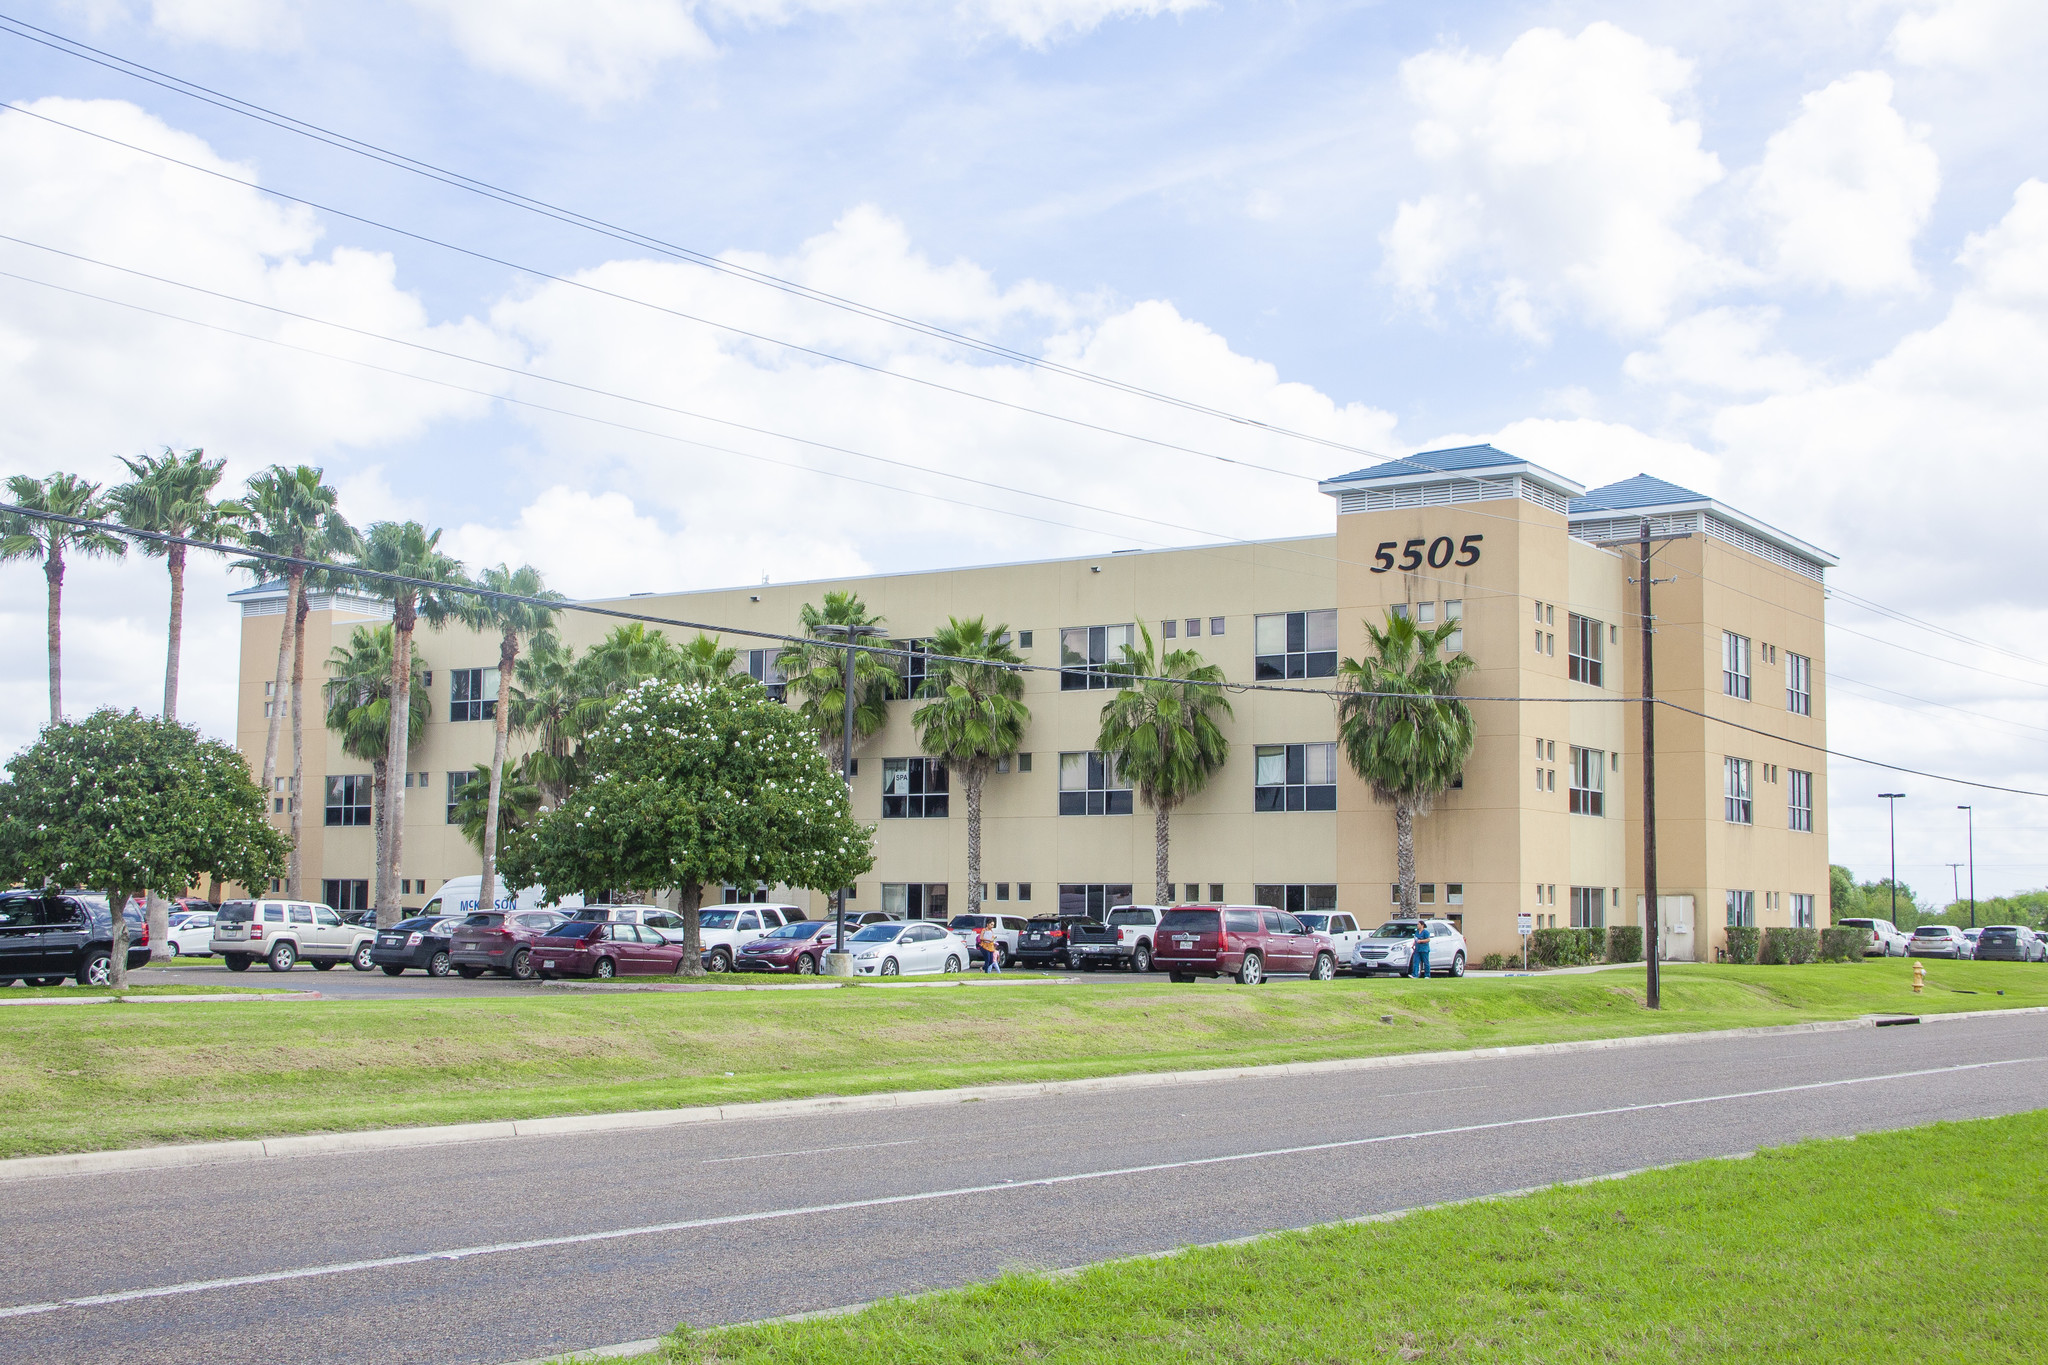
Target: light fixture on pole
839	961
1972	819
1892	800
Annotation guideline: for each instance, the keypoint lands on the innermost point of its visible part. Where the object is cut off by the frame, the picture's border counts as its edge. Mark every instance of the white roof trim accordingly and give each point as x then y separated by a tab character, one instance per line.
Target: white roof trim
1761	530
1533	472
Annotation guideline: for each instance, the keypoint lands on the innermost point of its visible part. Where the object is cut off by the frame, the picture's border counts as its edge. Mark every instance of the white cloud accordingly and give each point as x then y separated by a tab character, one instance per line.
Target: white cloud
1565	176
1038	23
594	51
254	25
1726	349
1845	188
1595	453
1969	34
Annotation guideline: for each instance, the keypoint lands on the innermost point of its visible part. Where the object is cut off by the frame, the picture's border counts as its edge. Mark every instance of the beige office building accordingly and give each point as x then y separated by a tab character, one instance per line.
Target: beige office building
1539	572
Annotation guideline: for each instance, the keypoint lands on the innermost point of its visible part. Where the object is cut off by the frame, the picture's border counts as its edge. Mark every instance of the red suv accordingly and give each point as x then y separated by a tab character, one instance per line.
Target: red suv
499	941
1247	942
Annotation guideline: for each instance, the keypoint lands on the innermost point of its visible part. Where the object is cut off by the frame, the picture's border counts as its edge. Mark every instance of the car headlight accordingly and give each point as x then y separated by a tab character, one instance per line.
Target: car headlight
872	952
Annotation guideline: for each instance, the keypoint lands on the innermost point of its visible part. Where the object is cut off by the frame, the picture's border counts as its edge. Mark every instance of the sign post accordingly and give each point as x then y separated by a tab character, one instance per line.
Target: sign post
1525	924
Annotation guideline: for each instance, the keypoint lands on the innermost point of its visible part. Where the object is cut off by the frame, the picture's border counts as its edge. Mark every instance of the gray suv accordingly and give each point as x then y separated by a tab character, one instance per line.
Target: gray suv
283	932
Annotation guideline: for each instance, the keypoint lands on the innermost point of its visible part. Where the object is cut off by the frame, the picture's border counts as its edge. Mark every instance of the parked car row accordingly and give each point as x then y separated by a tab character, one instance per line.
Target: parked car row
1992	943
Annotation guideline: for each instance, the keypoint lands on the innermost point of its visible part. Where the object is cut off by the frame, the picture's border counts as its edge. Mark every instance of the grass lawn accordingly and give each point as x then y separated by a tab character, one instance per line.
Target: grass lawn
78	992
90	1079
1925	1244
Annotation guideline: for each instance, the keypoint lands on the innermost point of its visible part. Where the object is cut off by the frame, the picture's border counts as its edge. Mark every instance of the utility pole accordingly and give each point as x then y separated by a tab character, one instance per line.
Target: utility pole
1972	817
841	966
1891	800
1955	891
1653	996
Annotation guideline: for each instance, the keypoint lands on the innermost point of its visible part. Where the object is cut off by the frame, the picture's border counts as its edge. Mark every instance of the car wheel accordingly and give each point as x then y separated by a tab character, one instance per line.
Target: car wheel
806	965
284	957
952	963
1458	965
470	973
1250	971
522	965
437	965
1141	959
176	951
96	968
1181	978
719	961
237	962
393	969
606	969
889	967
360	959
324	965
1325	968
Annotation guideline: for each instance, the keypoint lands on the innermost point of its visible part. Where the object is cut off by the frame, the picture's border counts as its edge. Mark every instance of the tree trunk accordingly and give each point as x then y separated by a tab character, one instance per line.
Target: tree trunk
294	796
1404	855
396	757
689	900
175	636
118	968
294	586
1162	818
379	773
971	778
508	655
53	573
158	911
214	887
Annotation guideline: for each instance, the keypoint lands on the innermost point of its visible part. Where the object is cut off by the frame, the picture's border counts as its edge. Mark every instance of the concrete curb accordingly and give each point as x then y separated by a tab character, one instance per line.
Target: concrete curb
390	1139
158	999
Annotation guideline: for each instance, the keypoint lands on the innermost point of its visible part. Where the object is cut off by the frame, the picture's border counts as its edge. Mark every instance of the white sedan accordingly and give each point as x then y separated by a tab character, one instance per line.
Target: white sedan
1391	948
192	935
903	947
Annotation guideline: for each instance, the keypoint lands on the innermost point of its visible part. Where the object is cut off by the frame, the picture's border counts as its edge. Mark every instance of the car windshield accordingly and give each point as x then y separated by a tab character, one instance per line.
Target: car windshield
2000	933
575	928
1859	923
1315	924
1929	931
970	921
236	912
1190	922
485	918
879	933
717	919
420	924
801	929
1397	929
1117	917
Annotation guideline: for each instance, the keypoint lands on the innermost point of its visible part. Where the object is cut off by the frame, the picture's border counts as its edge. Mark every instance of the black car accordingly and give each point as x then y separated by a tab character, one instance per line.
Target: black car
1045	940
421	942
2005	943
47	936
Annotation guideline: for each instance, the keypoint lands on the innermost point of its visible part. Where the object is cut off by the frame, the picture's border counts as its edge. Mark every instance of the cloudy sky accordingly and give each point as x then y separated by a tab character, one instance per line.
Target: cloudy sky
1794	256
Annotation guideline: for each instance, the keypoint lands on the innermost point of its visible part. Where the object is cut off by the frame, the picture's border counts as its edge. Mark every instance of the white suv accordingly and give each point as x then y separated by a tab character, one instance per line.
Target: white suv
722	930
283	932
1391	948
1885	938
1343	931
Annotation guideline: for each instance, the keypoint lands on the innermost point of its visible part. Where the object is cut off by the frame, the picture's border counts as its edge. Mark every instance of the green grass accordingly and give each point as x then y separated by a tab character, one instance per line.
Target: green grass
75	991
1925	1244
91	1079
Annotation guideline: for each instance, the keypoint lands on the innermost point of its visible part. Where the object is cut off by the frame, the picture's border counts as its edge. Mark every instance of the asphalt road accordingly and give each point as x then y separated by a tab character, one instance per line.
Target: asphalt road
514	1249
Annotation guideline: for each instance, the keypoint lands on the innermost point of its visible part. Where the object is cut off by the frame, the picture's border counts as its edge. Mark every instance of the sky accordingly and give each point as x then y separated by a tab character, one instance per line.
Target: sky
1795	257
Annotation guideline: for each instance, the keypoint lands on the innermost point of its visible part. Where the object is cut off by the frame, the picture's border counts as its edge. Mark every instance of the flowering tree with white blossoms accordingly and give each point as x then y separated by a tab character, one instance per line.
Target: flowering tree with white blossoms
693	785
127	804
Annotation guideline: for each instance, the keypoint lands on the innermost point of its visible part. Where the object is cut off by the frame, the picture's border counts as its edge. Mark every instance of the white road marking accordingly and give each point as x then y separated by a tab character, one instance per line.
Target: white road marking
884	1201
808	1151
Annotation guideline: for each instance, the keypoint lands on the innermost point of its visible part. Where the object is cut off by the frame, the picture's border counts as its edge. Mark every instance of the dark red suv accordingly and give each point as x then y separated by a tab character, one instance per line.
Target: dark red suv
1247	942
499	941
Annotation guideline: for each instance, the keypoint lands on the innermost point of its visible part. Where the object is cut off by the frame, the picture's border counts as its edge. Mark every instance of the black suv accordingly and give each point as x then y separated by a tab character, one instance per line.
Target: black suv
46	936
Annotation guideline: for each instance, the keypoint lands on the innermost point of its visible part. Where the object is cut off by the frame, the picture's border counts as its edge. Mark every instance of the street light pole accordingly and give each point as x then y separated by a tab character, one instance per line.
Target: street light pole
1891	800
1972	818
851	635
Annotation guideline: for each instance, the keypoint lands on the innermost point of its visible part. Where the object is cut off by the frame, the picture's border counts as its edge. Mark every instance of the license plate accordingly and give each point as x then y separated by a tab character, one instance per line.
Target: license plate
1185	942
549	963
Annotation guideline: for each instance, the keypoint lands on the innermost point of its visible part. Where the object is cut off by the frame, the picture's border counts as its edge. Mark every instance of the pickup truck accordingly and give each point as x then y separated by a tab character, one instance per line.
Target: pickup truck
1125	942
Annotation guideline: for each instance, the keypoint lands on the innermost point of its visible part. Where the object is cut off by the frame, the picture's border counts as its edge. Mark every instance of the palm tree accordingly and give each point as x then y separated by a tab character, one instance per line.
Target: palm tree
513	794
1403	730
545	697
815	669
977	717
1160	731
173	494
623	660
358	698
291	512
511	619
705	660
23	537
411	553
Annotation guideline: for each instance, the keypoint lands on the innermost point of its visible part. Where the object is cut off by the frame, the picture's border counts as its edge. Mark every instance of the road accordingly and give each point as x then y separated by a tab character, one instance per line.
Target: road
508	1250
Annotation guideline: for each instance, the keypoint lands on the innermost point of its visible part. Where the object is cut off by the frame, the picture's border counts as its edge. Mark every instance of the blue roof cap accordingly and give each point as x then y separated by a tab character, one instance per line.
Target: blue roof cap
1434	462
1644	490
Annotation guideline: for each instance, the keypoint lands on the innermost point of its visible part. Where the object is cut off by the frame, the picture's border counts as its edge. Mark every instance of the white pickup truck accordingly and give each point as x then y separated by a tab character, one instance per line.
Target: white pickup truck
722	930
1134	926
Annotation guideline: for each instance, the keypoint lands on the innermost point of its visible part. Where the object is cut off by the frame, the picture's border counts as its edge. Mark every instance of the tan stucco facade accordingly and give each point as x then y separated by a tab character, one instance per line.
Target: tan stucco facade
1505	841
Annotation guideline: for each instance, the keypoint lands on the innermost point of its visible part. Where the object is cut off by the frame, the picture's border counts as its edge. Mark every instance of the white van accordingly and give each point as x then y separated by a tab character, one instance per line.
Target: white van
458	896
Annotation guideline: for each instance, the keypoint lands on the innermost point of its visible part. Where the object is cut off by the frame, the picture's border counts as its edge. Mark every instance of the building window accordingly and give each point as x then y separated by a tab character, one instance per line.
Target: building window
1425	893
1584	650
472	693
456	782
911	666
1194	626
348	800
913	789
1295	777
1296	898
1023	639
1090	785
1295	644
1169	628
1589	907
1800	791
1735	664
1215	625
1589	781
762	669
1799	684
1737	778
1002	891
1023	763
345	893
1454	893
1454	610
1087	654
1023	891
1741	909
1802	910
757	894
914	900
1094	899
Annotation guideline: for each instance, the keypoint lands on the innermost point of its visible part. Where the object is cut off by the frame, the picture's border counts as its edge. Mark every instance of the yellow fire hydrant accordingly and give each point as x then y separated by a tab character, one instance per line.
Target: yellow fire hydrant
1919	976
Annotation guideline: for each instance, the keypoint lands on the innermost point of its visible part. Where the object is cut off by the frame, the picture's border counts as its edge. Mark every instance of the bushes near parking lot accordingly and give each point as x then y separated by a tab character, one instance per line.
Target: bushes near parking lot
1843	945
1742	943
1493	962
1561	947
1784	947
1625	943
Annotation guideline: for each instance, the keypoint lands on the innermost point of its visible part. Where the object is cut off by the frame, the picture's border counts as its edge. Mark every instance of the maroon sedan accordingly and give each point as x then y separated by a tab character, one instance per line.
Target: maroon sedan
499	941
1247	942
584	948
799	948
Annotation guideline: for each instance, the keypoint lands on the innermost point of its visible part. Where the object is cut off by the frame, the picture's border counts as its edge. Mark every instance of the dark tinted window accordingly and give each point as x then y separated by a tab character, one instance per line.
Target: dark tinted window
581	929
1241	921
419	924
20	910
970	921
236	912
484	918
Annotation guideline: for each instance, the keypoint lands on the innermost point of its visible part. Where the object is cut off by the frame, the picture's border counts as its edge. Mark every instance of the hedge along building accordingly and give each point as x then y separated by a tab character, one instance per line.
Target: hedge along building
1538	572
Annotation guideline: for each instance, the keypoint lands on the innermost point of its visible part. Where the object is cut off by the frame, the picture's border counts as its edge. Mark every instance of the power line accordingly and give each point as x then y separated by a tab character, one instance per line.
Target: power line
289	123
1925	701
1905	618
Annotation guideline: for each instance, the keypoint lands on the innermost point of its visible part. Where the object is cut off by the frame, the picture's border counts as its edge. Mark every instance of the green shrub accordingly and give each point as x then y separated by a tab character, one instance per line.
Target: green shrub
1625	943
1843	945
1493	962
1782	947
1742	943
1561	947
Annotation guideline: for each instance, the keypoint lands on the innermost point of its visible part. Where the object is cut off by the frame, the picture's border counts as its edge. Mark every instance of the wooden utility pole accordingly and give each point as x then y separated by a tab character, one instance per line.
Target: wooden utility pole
1652	996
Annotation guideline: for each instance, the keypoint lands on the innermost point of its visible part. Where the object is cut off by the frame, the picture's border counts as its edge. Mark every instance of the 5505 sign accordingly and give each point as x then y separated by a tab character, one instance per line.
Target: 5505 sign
1438	554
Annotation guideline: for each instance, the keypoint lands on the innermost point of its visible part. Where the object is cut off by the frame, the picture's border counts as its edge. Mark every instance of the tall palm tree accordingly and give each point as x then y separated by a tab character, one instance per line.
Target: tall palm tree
173	494
1402	728
23	537
705	660
1160	730
411	552
546	694
623	660
511	619
358	703
976	718
291	512
511	792
815	670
